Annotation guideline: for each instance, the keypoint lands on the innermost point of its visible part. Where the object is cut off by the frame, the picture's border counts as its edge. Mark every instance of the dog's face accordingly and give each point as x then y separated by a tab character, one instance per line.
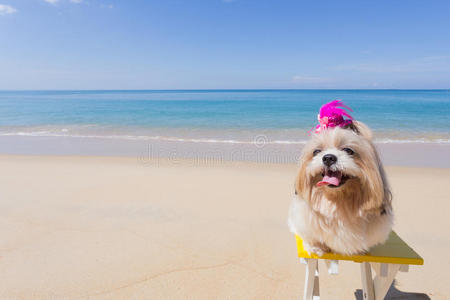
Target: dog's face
343	166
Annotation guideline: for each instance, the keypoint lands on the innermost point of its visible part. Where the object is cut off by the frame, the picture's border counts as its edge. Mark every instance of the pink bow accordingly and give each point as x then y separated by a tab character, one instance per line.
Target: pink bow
331	115
324	123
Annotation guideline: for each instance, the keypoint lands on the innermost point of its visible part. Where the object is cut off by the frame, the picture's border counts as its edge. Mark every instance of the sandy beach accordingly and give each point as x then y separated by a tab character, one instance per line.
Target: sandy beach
126	228
148	149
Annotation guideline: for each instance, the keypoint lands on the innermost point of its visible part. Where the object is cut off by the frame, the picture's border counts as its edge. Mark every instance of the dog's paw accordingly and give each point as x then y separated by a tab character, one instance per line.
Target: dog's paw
317	249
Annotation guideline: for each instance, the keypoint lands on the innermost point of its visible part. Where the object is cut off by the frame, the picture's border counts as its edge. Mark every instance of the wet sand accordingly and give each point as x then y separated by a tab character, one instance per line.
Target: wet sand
261	150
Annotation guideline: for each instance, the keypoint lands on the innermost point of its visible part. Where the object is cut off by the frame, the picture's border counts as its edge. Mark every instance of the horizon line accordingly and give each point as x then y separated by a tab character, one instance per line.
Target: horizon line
230	89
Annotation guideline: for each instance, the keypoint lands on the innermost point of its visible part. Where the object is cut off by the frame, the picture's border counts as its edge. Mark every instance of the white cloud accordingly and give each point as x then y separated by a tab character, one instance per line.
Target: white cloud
308	79
424	64
107	6
435	57
6	9
54	2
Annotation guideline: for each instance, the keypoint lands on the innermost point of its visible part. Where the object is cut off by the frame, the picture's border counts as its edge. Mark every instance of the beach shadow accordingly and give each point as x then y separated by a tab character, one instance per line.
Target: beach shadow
395	293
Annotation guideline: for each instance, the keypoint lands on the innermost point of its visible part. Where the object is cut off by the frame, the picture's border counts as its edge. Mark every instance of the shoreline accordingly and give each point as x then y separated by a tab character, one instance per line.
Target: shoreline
394	154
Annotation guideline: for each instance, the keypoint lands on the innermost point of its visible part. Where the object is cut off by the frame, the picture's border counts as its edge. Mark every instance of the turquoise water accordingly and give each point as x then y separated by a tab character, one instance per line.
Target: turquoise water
221	115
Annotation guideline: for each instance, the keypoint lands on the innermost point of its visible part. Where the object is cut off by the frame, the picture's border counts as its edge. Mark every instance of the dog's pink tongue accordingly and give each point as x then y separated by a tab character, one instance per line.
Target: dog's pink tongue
332	179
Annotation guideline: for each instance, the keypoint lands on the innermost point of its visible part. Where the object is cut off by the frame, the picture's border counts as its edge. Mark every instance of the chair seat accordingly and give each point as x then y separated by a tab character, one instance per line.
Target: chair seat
393	251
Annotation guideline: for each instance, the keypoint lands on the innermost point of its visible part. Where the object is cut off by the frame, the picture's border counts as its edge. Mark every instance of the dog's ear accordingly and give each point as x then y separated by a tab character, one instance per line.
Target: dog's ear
361	129
378	195
302	180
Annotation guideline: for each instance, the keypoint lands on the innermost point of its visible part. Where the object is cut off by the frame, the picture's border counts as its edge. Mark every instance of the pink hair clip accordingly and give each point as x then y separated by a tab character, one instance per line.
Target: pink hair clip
332	114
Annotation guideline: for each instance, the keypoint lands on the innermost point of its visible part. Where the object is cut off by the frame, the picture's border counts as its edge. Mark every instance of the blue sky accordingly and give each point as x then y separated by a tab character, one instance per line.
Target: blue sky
168	44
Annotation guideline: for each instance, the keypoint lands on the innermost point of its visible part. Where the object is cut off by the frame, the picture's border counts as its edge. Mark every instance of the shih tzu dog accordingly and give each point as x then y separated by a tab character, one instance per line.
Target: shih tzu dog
342	200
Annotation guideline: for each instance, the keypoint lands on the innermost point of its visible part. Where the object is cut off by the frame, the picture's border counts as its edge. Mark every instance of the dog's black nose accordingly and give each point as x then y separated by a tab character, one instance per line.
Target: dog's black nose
329	159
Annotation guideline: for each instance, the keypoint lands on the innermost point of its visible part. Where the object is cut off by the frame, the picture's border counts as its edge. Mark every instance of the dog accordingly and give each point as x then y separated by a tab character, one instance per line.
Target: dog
342	201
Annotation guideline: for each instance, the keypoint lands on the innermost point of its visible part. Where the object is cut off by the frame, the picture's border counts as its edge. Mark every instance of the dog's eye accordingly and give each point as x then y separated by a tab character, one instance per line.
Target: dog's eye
317	151
349	151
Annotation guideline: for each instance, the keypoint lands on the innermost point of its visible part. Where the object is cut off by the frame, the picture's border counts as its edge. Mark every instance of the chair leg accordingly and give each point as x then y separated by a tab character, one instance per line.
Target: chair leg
380	269
332	265
404	268
367	282
382	282
311	291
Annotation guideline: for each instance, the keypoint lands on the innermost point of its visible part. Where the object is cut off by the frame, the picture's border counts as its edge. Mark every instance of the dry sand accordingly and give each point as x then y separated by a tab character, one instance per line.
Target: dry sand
123	228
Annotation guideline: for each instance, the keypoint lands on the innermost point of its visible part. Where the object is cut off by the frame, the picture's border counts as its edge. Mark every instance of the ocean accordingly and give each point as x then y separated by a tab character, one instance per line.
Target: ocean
411	127
221	116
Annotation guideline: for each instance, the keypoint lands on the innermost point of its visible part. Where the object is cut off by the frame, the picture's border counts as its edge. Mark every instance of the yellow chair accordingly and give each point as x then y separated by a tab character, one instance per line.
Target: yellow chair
387	259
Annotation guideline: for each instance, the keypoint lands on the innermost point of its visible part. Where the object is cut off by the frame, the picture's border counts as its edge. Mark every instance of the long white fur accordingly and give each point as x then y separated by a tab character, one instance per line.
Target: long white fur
335	224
